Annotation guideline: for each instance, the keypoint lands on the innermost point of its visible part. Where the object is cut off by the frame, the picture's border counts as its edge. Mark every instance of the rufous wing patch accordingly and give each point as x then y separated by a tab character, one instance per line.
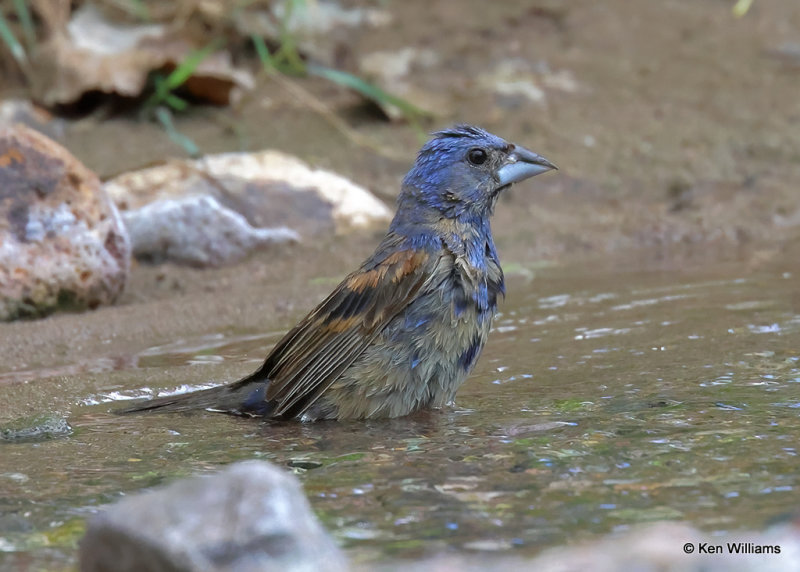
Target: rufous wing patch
397	265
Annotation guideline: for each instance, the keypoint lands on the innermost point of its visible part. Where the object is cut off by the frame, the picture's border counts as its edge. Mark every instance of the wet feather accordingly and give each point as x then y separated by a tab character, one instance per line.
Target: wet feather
403	331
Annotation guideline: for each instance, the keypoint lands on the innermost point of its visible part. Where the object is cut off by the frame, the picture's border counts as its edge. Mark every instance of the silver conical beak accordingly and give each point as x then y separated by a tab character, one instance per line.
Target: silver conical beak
522	164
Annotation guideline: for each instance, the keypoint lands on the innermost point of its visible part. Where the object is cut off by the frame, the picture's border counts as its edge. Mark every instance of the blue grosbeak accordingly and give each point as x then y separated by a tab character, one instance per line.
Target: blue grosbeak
402	332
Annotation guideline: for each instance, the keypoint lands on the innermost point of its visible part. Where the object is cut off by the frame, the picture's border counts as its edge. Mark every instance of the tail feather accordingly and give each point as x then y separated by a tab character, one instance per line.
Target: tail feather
223	398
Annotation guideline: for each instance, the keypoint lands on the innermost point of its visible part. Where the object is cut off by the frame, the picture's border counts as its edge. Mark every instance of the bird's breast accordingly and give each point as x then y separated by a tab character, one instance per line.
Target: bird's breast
469	303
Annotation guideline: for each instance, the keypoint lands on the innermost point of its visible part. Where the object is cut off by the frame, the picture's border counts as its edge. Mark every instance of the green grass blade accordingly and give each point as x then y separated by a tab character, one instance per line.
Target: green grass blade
176	102
165	119
164	86
11	42
160	90
288	59
263	53
25	19
367	89
187	67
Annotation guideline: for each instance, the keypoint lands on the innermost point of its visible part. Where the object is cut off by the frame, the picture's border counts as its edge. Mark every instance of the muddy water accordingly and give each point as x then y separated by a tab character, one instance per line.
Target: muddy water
603	399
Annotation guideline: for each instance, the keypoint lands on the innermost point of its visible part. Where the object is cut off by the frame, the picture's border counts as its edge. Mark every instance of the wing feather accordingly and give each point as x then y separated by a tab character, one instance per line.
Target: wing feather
322	346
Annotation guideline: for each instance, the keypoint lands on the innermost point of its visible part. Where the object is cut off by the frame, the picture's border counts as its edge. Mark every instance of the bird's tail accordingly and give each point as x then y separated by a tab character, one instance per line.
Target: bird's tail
228	398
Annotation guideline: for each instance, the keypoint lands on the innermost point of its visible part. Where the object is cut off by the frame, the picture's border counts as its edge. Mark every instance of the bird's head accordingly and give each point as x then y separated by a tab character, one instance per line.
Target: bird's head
461	171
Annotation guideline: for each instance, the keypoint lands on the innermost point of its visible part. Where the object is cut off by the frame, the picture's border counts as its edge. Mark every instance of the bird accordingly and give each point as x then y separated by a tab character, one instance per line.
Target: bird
403	332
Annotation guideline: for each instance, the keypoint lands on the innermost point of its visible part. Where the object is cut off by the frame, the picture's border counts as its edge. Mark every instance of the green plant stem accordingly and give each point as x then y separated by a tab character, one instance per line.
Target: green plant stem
16	49
25	19
164	117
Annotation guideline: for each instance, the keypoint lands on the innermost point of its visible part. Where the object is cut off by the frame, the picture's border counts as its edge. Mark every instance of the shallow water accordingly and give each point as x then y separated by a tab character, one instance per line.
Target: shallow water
604	399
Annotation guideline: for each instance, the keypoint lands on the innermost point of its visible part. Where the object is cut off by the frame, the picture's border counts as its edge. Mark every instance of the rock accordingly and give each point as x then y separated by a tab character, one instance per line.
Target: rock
62	241
249	517
261	197
196	230
37	428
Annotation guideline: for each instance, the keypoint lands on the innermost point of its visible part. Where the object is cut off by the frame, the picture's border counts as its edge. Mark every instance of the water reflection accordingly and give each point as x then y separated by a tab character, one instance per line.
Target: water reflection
601	401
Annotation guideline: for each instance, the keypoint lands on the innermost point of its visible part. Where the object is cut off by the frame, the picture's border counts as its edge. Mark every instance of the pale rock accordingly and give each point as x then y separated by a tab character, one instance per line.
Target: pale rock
198	231
249	517
257	198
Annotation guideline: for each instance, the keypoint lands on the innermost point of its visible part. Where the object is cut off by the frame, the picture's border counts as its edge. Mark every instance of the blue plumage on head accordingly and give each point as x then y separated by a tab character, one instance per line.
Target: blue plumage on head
444	179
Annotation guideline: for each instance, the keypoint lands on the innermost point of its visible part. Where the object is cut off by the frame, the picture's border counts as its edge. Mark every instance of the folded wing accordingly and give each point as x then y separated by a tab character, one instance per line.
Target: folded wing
320	348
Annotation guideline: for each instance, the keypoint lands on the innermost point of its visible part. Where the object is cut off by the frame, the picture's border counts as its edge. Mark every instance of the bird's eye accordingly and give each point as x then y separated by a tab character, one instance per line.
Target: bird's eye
477	156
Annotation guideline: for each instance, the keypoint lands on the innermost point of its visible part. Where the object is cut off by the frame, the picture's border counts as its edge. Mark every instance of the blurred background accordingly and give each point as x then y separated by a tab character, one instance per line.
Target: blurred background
665	101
